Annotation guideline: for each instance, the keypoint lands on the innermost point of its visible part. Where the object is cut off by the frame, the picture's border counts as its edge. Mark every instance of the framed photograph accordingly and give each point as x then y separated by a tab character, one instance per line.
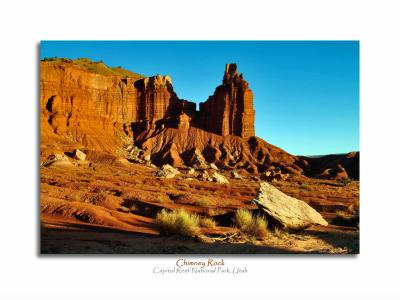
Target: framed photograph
199	147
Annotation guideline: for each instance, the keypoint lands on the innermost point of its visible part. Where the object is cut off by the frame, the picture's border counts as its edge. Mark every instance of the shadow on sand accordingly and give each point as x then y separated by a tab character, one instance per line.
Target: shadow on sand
91	239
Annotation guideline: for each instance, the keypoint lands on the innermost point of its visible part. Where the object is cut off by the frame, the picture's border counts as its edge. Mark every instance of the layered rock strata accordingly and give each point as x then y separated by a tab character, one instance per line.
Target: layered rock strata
82	109
230	110
97	110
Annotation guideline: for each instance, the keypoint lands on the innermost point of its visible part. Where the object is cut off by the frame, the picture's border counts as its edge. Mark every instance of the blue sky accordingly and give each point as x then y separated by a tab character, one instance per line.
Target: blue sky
306	93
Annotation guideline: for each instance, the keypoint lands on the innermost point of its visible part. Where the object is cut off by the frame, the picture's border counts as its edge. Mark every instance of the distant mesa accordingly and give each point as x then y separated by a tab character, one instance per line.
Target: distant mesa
85	104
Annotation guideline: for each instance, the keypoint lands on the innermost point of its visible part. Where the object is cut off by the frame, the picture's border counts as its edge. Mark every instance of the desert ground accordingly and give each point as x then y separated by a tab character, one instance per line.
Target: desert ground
108	206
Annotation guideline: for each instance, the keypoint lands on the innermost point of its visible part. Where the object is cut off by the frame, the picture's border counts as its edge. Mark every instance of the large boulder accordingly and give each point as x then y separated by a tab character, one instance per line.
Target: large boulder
167	171
204	176
236	175
213	166
288	211
273	174
134	154
191	171
79	155
218	178
57	160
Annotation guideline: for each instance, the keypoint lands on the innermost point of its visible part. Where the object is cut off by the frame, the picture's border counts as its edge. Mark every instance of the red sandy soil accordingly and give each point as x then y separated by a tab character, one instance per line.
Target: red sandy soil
81	212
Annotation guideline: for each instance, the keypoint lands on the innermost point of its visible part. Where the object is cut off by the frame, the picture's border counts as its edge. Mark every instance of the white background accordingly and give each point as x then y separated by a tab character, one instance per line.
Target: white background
372	274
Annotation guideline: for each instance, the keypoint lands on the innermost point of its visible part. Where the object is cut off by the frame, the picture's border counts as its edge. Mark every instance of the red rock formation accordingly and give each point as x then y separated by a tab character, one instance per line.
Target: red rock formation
87	110
334	166
186	146
230	110
96	110
156	98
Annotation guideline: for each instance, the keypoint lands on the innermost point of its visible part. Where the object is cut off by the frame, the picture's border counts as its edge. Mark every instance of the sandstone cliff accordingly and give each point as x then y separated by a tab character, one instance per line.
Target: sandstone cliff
94	107
98	110
230	110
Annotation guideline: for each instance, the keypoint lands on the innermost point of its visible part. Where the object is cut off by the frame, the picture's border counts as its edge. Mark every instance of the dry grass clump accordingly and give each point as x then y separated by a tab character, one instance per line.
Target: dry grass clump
280	232
207	222
243	218
178	222
258	227
254	226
